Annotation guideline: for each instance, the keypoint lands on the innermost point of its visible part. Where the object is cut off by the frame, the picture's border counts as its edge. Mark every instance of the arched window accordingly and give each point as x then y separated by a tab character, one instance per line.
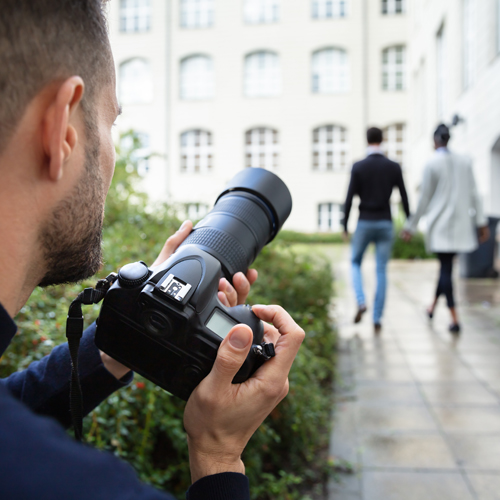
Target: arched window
394	68
262	74
261	11
330	71
136	82
262	148
197	78
196	13
137	146
135	15
325	9
394	145
196	151
330	149
393	6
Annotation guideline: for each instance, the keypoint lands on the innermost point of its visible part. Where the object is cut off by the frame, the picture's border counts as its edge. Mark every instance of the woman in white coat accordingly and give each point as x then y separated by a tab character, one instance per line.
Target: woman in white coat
454	214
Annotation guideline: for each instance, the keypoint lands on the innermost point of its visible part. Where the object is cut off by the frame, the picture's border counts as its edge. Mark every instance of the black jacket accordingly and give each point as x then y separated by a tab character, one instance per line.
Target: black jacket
39	460
373	180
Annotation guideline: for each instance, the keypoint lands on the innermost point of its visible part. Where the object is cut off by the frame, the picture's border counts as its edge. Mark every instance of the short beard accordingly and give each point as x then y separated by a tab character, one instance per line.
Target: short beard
71	240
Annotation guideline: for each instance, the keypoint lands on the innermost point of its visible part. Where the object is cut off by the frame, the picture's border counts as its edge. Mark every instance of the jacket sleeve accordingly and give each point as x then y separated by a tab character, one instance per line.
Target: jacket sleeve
44	385
402	190
428	188
476	200
351	191
39	460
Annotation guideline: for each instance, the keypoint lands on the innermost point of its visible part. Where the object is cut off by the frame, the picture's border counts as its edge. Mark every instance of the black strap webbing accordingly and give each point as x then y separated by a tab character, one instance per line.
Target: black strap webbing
74	332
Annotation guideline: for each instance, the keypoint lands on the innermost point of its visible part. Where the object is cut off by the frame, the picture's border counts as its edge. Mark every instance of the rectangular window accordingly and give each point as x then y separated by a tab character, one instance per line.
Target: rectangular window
394	68
393	6
196	13
330	217
394	144
135	15
327	9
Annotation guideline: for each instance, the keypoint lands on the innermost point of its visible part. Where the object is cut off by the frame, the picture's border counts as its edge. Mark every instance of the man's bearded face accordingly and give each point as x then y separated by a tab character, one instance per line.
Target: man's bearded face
71	240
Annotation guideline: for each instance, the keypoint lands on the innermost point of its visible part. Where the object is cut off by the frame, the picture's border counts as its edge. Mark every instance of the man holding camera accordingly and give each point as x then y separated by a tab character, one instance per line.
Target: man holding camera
57	86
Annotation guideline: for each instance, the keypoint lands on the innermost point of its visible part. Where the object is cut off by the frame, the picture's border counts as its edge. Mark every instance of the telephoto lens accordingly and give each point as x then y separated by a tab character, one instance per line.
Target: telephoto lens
246	216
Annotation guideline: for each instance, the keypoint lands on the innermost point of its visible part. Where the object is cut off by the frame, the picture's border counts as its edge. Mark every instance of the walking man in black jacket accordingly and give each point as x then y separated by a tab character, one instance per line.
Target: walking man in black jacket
58	104
373	180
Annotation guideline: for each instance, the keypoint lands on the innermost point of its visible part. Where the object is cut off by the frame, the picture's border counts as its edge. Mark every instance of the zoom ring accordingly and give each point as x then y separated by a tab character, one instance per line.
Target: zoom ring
221	243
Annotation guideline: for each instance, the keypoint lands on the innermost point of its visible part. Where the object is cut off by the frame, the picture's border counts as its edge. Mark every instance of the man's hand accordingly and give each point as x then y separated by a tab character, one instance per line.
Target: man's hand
220	417
345	236
406	235
483	234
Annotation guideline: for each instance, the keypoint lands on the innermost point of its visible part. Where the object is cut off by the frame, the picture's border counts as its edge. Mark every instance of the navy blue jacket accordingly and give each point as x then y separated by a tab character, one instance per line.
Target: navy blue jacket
38	460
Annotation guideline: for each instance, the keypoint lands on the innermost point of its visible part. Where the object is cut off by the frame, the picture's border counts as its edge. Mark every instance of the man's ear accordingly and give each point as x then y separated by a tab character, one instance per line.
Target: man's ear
59	135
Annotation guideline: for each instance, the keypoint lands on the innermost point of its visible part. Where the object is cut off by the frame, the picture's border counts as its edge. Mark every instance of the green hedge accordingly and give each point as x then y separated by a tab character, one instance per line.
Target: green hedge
142	423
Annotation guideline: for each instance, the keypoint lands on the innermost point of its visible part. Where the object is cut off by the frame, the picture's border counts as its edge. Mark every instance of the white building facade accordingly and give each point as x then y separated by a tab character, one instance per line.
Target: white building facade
288	85
455	70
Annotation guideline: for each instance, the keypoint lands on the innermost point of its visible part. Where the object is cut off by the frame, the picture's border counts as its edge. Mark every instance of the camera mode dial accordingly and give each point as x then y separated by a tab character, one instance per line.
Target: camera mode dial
134	274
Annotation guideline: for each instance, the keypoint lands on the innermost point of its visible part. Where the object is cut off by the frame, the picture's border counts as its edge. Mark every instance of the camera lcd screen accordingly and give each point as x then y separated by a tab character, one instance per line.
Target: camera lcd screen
220	324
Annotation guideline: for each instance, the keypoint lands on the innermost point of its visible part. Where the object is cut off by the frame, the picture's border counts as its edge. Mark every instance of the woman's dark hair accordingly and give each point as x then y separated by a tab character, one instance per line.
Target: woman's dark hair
442	134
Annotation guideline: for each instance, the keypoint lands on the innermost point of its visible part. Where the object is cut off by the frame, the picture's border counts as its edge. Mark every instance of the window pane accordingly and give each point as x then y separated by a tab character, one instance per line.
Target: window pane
393	68
261	11
136	82
196	151
330	148
394	144
330	71
196	78
135	15
327	9
330	217
393	6
196	13
262	75
262	148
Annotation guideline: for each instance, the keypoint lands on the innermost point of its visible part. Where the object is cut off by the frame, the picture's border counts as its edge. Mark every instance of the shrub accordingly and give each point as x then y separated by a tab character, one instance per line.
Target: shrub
142	423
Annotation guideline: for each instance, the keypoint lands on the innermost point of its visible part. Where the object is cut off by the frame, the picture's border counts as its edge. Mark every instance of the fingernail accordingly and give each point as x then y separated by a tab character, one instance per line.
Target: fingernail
240	338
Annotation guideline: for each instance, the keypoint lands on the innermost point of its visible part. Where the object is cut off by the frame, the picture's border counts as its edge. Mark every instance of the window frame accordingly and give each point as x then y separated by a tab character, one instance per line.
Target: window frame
327	152
265	7
203	17
145	94
329	9
202	164
390	147
256	85
390	68
329	208
256	151
125	16
390	7
201	81
331	79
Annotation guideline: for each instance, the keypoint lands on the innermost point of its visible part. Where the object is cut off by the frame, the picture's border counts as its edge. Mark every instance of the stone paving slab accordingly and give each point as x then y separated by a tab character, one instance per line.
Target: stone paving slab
417	410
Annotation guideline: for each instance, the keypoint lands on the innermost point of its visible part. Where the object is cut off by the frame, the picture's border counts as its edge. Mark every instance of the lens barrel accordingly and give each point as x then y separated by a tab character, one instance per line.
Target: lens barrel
247	215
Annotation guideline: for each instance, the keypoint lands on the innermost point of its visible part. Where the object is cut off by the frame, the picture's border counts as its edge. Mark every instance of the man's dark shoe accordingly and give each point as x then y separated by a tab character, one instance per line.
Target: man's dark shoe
377	328
359	314
454	328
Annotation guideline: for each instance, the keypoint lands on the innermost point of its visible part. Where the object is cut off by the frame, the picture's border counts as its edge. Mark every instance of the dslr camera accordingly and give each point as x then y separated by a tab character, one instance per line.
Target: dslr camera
167	323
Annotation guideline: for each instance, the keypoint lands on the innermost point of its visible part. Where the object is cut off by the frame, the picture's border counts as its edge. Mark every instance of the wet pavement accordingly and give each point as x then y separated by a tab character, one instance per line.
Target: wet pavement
417	411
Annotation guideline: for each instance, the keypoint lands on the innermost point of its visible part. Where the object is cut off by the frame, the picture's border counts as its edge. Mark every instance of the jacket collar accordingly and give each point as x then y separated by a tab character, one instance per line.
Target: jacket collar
7	330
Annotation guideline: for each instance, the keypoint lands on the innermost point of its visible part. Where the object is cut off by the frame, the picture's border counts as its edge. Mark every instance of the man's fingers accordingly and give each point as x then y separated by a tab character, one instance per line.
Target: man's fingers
223	299
271	334
287	345
230	293
173	242
252	276
231	355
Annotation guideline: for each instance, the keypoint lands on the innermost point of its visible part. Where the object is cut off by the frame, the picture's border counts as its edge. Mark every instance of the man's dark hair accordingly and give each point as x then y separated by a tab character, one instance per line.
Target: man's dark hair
374	135
442	135
42	41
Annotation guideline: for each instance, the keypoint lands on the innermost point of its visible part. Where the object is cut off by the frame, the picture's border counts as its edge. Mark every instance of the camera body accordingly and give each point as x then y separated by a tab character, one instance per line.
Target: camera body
167	323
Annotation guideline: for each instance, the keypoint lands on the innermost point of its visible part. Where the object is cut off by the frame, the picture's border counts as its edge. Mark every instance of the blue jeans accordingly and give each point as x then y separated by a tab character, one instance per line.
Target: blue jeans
379	232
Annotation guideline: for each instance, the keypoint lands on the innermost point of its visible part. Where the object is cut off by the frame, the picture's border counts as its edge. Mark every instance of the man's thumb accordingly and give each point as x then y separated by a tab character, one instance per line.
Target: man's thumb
232	353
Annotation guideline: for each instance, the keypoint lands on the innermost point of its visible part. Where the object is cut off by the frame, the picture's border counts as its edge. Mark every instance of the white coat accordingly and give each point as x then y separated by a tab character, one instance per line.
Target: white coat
451	204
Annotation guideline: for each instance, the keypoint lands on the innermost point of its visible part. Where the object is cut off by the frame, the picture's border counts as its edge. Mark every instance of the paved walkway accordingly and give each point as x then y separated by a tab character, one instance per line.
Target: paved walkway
418	411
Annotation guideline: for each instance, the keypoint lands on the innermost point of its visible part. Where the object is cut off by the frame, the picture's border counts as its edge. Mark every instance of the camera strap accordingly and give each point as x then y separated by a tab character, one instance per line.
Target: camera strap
74	332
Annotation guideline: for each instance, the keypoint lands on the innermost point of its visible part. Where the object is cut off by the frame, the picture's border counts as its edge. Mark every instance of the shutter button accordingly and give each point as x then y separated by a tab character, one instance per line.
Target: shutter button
134	274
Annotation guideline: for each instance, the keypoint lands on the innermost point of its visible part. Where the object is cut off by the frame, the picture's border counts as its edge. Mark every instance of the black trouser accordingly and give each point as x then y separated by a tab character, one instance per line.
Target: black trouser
445	285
